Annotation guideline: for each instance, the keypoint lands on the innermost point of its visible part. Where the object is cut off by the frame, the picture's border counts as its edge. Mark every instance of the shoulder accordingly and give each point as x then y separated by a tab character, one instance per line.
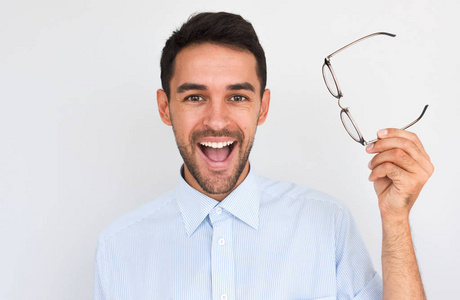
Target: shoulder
146	213
298	195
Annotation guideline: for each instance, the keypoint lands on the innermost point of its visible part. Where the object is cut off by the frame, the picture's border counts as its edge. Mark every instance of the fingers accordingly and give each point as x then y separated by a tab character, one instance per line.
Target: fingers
400	169
403	149
393	163
408	160
402	134
407	183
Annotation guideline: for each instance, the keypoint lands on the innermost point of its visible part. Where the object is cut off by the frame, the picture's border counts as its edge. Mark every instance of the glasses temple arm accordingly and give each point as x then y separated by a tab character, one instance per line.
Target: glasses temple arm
416	120
358	40
403	128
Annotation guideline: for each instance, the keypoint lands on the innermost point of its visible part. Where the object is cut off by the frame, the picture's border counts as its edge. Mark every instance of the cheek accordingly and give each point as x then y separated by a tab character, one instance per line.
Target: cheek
184	125
247	121
248	115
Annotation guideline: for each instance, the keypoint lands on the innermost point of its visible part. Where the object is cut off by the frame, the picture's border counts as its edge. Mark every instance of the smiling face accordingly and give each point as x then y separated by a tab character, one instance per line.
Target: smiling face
214	108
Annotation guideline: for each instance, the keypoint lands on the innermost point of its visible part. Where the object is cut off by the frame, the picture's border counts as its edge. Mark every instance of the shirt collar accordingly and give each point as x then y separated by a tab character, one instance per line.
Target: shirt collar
243	203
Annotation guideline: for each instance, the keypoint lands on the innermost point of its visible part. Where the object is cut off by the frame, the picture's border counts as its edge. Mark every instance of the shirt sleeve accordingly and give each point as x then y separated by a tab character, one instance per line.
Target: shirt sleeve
99	282
356	277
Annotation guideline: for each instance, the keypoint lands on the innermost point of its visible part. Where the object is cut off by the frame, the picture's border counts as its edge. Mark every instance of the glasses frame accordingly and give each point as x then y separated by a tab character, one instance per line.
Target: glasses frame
345	111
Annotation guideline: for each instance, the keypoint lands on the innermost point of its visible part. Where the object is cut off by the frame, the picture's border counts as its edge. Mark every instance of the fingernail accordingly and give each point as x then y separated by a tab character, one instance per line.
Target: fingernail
369	165
382	133
369	147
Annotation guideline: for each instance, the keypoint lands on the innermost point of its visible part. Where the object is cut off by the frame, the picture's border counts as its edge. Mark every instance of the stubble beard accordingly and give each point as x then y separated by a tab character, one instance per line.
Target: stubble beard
217	183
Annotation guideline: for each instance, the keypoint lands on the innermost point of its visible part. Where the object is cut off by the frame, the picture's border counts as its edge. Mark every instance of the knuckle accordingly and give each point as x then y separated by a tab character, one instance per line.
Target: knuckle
407	161
388	167
403	158
425	178
399	154
407	144
427	175
413	183
431	169
412	135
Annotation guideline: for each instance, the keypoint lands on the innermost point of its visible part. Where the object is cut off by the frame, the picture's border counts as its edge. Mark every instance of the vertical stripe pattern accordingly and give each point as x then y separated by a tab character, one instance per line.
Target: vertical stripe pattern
266	240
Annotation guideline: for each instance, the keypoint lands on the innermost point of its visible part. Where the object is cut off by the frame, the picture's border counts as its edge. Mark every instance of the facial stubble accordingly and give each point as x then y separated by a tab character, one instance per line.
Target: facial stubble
217	183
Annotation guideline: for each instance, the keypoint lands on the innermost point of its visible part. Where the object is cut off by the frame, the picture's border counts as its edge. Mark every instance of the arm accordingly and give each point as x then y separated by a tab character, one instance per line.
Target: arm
400	169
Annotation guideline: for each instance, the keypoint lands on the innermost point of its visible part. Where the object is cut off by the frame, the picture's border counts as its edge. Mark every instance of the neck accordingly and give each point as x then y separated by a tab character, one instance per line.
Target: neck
218	197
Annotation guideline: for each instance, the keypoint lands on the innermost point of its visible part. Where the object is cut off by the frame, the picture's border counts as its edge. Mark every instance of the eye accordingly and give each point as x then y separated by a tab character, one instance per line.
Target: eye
194	98
238	98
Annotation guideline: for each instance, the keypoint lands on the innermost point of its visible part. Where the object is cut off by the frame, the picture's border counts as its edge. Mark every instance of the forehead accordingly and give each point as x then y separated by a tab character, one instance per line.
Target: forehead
213	64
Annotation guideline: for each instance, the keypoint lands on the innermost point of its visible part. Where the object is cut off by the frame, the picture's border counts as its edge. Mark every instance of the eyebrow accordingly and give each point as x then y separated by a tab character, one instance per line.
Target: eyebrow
241	86
190	86
201	87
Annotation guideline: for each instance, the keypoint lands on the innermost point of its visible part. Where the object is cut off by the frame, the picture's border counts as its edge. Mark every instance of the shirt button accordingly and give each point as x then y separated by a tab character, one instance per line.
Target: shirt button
222	242
218	210
223	297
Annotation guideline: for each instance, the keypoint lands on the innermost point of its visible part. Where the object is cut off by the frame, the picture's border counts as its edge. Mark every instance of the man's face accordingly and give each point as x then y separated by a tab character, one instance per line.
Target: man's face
214	108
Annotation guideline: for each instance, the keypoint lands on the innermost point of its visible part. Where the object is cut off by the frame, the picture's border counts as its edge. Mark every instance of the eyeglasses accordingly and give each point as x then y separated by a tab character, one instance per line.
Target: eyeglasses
333	86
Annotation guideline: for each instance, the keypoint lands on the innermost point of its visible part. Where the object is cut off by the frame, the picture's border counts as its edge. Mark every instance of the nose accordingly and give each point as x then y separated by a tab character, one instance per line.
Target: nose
217	115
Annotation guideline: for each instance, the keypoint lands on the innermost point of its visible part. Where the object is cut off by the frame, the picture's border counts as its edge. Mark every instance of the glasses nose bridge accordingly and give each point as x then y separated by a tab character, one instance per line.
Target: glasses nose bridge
340	105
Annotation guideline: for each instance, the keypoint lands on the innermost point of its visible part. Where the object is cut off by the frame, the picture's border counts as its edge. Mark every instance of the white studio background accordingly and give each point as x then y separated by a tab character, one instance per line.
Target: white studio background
82	142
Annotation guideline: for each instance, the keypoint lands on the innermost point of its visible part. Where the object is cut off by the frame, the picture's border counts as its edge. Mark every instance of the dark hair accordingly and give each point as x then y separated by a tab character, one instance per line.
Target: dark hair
218	28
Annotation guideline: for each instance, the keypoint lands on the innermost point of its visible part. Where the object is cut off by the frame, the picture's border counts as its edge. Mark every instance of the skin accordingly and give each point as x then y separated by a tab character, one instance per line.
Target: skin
399	170
215	97
210	102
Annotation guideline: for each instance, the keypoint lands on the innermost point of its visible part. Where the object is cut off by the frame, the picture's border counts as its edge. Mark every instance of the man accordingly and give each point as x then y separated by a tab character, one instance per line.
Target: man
226	233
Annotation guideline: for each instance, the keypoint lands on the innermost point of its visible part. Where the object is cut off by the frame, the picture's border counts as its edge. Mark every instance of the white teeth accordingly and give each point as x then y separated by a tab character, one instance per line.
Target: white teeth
216	145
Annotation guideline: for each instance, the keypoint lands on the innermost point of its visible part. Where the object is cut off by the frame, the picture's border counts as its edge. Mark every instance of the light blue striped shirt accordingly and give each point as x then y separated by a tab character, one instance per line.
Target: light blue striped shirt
266	240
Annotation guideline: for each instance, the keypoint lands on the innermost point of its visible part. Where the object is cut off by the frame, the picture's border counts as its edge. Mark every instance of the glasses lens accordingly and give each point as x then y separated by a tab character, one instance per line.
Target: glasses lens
329	80
349	126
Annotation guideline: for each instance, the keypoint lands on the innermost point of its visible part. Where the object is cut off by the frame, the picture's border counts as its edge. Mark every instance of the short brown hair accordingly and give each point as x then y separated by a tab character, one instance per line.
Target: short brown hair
219	28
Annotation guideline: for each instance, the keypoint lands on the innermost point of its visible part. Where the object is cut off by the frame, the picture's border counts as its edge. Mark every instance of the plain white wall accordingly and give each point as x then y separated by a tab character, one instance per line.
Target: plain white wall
82	143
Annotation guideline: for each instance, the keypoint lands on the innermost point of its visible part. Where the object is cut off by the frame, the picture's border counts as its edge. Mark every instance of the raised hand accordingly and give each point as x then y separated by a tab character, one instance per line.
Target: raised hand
400	169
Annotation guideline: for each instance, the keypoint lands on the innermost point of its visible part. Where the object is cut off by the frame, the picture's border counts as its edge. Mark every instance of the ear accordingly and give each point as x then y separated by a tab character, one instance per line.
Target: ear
163	107
264	105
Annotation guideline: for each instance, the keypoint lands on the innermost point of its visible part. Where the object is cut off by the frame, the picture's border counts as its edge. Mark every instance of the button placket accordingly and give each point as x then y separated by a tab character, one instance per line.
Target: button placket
222	263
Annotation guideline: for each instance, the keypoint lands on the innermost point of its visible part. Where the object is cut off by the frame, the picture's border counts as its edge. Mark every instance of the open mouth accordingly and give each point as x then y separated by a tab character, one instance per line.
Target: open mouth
217	152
